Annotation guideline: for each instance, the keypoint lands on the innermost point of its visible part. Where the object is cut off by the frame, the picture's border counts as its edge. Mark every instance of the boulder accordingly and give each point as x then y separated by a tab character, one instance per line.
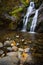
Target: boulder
12	54
9	60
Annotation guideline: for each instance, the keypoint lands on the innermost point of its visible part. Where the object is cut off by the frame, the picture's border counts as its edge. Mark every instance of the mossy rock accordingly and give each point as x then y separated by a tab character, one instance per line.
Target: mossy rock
29	24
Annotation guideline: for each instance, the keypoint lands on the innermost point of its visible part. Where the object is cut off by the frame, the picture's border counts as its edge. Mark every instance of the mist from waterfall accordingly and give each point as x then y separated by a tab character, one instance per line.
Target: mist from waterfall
25	20
34	22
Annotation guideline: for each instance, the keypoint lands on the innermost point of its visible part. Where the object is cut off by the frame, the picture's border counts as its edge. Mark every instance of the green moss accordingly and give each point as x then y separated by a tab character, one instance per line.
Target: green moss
29	24
16	10
25	3
15	15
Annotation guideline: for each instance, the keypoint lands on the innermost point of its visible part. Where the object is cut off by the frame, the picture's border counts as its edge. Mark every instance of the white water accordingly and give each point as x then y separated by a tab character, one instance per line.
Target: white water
34	22
25	20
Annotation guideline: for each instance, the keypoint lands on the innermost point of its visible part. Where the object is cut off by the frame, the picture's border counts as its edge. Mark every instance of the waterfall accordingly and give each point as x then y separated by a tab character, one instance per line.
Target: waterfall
25	20
34	22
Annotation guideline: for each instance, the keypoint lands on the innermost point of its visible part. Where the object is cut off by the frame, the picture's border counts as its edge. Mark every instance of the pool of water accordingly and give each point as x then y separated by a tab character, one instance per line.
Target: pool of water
33	40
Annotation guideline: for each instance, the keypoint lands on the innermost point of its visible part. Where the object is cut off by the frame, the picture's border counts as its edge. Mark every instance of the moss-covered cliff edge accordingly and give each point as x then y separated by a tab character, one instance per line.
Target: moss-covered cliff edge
13	11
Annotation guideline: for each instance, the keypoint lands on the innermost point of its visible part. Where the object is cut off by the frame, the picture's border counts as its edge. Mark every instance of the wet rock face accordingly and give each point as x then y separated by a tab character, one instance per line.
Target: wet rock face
29	23
39	27
37	3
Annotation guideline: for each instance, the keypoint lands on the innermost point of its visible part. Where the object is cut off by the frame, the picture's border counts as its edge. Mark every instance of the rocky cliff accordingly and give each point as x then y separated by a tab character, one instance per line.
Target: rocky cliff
39	27
13	11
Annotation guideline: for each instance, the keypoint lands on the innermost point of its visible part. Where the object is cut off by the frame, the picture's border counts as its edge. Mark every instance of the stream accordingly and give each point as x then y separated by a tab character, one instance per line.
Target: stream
33	40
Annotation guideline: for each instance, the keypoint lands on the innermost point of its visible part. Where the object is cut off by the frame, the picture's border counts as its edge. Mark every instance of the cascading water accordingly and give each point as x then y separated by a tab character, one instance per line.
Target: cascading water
25	20
33	25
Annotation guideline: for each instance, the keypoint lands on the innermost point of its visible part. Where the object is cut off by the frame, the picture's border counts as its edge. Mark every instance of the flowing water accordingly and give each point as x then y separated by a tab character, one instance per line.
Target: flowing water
30	9
25	20
34	22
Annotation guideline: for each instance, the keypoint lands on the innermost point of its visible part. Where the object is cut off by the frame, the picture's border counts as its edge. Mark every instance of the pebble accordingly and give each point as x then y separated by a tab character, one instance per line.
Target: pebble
9	48
1	52
6	43
21	50
17	43
27	50
1	45
25	42
14	48
22	40
17	36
